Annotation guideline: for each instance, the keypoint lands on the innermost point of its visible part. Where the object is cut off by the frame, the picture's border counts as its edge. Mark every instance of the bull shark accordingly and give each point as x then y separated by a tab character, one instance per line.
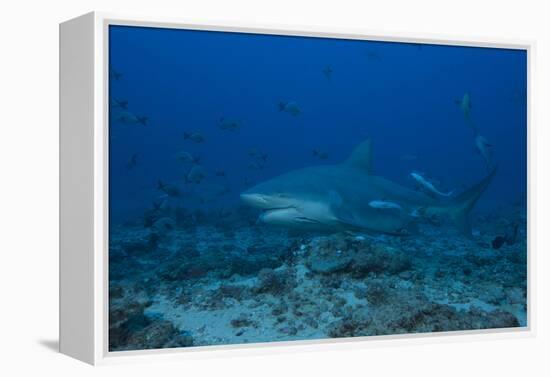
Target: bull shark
335	198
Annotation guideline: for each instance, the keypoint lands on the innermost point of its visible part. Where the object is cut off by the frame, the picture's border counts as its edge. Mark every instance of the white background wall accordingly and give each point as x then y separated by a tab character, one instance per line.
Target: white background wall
29	188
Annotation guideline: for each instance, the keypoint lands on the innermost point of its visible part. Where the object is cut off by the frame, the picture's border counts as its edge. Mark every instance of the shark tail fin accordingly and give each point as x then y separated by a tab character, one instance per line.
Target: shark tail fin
463	203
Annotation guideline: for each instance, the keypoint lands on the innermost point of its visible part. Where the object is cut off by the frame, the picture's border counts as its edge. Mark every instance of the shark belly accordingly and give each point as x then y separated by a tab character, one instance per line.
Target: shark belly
307	215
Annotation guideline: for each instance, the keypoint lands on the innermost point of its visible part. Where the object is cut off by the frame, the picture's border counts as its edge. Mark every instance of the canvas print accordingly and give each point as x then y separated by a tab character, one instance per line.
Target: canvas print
267	188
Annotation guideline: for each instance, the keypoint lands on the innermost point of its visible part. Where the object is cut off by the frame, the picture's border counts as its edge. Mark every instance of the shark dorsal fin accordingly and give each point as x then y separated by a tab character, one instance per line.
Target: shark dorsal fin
361	157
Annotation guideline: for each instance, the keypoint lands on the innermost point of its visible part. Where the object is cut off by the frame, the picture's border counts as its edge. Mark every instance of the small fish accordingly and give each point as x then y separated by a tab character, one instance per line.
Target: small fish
511	234
193	136
497	242
483	146
160	205
465	105
119	103
256	165
220	190
224	213
373	55
382	204
519	97
168	189
132	162
114	74
229	125
257	154
327	71
409	157
127	117
429	186
196	174
417	212
318	153
156	205
187	157
291	108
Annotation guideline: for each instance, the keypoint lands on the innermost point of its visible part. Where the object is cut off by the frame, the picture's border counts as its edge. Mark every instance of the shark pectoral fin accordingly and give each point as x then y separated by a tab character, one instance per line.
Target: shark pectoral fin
342	213
348	218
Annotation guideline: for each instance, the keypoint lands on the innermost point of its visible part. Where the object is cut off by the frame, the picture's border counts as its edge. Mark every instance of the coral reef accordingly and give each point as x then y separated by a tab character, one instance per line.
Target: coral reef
217	282
131	329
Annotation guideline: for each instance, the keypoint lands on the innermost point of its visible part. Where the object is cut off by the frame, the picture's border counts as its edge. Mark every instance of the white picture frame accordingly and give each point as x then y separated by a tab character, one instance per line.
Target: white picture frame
84	190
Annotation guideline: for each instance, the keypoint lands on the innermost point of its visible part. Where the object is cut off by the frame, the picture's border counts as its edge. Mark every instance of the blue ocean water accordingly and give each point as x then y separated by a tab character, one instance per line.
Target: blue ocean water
198	117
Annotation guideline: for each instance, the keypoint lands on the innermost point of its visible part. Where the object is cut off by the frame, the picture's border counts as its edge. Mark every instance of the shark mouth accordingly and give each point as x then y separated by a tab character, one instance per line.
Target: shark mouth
290	212
275	209
302	219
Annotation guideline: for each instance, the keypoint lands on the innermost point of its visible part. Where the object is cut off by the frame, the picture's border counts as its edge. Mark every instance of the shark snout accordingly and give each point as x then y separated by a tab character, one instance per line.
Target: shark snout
254	200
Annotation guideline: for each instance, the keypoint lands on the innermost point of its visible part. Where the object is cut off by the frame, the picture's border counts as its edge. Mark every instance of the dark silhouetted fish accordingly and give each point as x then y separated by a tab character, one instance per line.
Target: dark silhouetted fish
373	55
127	117
327	71
428	186
519	97
196	174
160	205
291	108
229	125
511	234
194	136
132	162
115	75
409	157
483	146
187	157
143	120
256	165
257	154
510	237
168	189
156	205
465	104
119	103
498	241
320	154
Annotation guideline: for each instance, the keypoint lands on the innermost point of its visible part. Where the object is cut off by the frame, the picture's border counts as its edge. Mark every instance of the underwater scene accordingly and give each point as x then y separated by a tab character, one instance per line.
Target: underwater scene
267	188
